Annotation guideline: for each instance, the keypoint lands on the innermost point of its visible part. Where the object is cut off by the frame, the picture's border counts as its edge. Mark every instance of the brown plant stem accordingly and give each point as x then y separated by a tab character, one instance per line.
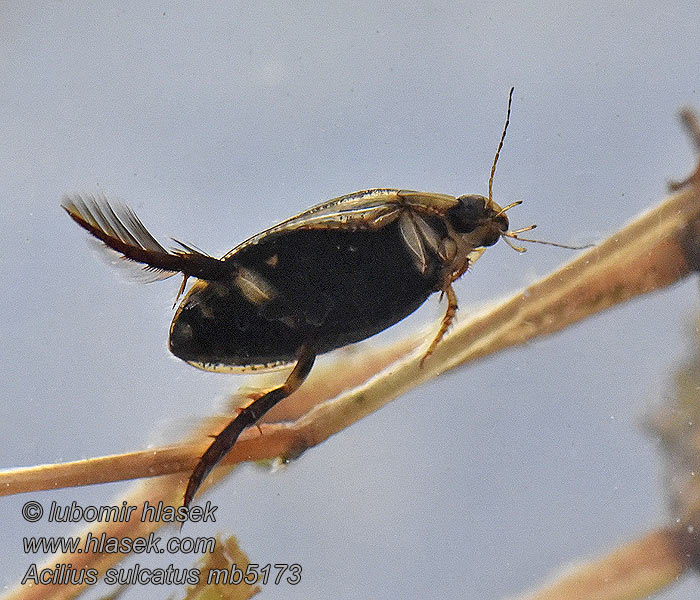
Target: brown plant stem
632	571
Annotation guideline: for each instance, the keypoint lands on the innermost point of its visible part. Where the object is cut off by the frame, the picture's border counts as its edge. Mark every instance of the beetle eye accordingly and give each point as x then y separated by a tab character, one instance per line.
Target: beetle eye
466	215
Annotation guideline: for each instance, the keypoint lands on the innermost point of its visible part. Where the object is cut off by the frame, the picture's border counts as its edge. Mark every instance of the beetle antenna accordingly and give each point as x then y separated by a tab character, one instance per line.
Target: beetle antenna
513	235
500	144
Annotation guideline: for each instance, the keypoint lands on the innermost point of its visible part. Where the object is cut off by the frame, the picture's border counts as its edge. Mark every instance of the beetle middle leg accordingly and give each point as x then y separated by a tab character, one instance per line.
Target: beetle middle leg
446	322
465	261
250	415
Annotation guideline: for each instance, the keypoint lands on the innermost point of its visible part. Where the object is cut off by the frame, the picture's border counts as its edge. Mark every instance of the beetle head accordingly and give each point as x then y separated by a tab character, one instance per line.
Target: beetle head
479	220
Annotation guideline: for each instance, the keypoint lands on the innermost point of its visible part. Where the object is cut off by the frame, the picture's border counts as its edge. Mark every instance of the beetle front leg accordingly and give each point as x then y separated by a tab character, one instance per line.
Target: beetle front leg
250	415
446	321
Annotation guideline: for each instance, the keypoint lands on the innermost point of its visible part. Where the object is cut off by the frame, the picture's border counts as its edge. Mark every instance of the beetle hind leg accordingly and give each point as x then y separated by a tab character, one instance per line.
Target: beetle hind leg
248	416
446	322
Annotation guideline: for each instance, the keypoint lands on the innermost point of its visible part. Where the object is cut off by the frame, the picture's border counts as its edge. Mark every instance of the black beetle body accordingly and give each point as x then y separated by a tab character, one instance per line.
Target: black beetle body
346	284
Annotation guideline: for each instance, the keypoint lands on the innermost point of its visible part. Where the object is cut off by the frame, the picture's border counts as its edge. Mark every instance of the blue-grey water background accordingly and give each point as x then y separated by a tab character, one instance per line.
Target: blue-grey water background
215	120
